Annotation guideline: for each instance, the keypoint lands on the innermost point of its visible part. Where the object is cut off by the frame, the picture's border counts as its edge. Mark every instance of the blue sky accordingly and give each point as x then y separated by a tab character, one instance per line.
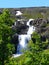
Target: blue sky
23	3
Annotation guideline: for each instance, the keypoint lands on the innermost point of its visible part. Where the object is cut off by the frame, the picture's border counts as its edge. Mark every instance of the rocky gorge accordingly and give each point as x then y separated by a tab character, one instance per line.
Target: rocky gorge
21	27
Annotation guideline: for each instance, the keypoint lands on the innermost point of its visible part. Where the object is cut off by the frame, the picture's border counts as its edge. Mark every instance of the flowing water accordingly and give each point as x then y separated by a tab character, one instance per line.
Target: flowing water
24	39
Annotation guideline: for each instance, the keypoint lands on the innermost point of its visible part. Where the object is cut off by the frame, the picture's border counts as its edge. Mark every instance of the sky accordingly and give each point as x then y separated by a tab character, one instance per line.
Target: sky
23	3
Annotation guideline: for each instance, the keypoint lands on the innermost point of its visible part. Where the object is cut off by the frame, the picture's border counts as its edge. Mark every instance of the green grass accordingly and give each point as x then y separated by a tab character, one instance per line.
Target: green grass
46	51
33	15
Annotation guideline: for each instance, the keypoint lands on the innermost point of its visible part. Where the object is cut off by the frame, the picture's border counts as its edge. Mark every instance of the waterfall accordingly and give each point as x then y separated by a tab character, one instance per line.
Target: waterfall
24	39
31	28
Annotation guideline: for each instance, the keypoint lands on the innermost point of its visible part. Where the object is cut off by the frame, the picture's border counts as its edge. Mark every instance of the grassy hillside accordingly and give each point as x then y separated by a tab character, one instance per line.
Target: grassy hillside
31	12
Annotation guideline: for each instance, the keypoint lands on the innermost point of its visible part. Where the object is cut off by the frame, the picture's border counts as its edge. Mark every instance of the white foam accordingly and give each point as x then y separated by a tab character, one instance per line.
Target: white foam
29	21
18	13
16	55
31	30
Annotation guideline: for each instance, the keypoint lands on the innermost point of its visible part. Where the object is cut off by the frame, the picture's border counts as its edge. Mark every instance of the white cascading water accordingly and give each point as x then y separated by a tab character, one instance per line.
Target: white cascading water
31	28
23	39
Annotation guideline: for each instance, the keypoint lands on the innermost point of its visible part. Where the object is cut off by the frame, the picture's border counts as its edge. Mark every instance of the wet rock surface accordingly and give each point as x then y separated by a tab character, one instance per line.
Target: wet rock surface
42	26
15	41
20	27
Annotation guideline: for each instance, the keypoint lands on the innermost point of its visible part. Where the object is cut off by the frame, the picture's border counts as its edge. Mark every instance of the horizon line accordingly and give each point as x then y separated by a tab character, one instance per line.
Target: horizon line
26	7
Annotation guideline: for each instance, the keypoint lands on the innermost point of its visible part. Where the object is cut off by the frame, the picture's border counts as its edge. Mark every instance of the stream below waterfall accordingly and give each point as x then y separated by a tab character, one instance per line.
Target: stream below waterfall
24	39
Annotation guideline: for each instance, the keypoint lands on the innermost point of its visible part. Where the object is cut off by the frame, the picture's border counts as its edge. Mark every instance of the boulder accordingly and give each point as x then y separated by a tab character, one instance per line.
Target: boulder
15	41
20	27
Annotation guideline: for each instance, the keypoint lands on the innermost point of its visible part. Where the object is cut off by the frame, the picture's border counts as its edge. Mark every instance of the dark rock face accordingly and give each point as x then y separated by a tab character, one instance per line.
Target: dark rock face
43	38
15	41
34	40
40	22
0	12
32	22
42	26
20	27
